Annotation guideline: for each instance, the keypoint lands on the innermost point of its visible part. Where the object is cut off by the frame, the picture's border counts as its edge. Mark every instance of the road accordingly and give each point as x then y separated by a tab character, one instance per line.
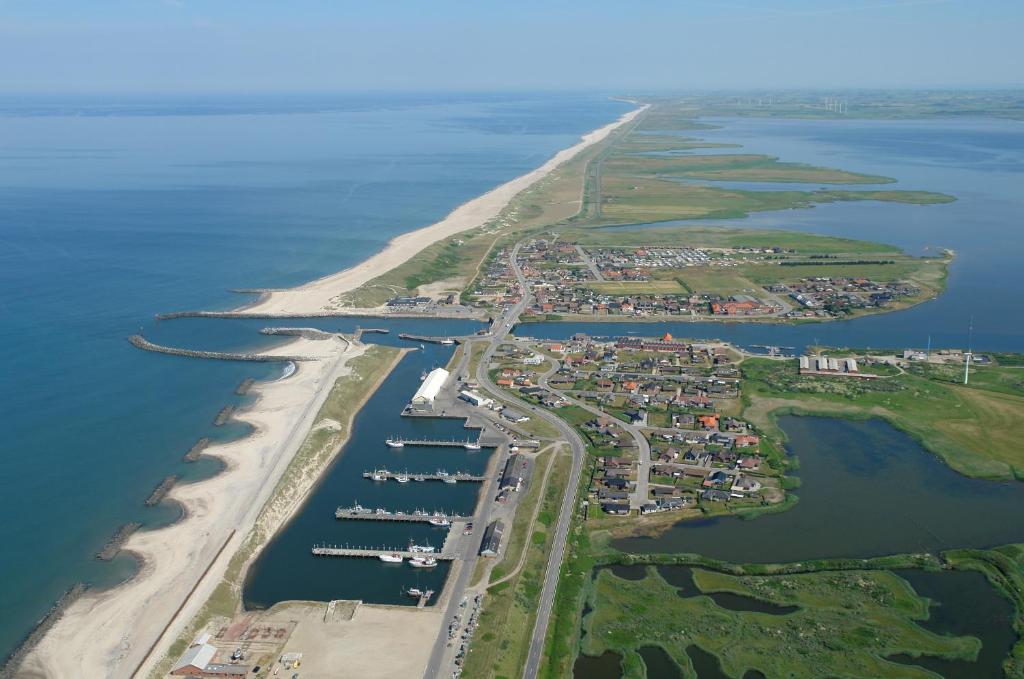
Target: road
499	334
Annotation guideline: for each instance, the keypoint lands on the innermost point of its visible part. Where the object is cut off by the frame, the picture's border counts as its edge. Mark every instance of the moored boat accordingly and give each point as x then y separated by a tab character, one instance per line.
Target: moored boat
394	442
391	558
440	522
423	562
469	445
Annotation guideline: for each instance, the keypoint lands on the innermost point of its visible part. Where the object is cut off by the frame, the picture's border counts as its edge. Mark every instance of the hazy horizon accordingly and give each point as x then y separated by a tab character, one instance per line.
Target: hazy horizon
179	46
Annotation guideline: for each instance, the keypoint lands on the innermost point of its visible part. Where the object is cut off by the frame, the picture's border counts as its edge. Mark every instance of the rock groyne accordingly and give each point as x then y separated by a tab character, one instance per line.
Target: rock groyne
114	544
142	343
161	491
9	669
195	451
306	333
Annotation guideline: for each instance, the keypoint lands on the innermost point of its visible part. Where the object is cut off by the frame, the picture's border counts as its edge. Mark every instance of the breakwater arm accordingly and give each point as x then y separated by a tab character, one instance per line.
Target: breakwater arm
114	544
142	343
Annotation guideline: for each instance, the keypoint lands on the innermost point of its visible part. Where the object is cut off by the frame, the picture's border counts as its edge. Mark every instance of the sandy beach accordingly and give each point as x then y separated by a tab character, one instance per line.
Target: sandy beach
109	634
316	296
124	631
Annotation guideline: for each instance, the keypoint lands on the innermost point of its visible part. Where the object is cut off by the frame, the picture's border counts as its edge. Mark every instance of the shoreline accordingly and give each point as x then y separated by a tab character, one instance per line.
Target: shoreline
318	296
89	638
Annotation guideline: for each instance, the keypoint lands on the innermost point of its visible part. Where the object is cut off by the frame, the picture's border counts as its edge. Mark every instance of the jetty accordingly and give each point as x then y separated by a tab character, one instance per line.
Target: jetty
385	475
365	553
141	342
114	544
426	339
361	514
432	443
160	491
359	332
223	416
196	451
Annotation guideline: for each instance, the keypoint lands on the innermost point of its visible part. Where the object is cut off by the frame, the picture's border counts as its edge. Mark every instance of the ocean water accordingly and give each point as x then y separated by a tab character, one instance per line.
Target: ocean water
115	209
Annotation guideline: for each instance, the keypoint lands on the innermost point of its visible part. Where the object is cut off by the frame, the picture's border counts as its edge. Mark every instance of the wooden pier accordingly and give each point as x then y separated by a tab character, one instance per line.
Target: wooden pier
443	476
363	553
359	514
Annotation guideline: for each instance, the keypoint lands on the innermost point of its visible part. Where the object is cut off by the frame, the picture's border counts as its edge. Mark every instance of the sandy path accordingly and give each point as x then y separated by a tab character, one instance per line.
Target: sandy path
317	295
108	634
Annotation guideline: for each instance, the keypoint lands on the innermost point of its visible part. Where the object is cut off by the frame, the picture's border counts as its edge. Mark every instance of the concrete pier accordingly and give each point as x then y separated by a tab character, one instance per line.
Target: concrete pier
362	553
375	515
457	476
426	339
142	343
435	443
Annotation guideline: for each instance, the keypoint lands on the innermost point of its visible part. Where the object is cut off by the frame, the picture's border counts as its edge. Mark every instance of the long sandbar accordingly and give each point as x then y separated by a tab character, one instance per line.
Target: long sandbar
320	295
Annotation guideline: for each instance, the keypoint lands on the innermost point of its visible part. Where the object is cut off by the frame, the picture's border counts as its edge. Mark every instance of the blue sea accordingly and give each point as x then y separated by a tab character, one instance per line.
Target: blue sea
115	209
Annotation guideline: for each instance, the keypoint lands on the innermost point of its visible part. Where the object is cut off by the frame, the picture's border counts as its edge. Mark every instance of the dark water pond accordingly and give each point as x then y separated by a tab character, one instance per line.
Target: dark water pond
867	490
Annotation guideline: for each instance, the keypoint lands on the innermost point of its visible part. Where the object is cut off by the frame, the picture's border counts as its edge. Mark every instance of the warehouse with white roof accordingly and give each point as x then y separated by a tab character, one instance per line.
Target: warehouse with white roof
430	388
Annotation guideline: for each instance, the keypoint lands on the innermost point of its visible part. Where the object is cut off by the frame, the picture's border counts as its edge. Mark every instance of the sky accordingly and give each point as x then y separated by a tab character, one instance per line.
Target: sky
634	45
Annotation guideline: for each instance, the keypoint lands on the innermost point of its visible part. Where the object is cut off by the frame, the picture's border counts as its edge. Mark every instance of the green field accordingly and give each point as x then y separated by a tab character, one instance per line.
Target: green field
846	621
977	429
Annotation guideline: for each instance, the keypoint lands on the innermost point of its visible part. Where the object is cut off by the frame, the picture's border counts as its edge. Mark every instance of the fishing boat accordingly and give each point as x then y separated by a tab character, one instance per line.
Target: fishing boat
358	509
440	522
394	442
391	558
469	445
421	549
414	592
379	475
450	479
401	478
423	562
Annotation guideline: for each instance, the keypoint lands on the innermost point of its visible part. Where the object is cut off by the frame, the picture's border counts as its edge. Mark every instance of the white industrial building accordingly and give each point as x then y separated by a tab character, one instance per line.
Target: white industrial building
474	398
430	388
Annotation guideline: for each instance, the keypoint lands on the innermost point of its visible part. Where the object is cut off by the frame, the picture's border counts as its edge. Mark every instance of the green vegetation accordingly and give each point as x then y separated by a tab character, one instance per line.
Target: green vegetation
502	640
846	621
1004	568
735	167
329	432
977	429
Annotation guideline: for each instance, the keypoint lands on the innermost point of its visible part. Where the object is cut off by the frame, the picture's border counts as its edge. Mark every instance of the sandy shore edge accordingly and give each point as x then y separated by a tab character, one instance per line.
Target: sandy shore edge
316	295
110	633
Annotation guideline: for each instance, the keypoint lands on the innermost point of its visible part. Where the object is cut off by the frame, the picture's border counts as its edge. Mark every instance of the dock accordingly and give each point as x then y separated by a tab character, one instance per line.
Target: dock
432	443
385	475
363	553
426	339
360	514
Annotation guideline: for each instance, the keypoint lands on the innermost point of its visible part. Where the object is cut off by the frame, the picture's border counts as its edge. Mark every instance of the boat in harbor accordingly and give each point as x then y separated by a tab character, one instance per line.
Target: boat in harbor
380	475
423	562
421	549
450	479
391	558
469	445
440	522
394	442
359	509
414	592
402	479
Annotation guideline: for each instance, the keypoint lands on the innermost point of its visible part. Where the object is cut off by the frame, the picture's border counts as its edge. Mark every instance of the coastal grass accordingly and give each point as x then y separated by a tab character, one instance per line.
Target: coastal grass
977	431
329	432
502	639
736	167
846	621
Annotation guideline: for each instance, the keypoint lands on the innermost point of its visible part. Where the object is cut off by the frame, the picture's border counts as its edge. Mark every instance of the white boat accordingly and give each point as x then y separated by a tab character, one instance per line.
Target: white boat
402	479
414	592
440	522
421	549
447	341
391	558
423	562
380	475
394	443
469	445
450	479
